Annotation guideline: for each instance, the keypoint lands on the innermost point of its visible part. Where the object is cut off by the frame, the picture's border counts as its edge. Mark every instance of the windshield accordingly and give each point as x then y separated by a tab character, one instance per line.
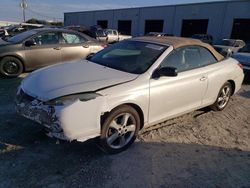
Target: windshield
246	48
22	36
129	56
227	43
100	33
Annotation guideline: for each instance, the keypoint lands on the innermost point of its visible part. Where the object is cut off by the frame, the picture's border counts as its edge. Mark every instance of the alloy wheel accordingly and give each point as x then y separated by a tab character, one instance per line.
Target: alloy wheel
224	96
121	130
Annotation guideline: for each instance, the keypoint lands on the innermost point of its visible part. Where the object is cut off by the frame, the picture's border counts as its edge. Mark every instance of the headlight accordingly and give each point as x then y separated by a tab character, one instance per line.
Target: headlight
72	98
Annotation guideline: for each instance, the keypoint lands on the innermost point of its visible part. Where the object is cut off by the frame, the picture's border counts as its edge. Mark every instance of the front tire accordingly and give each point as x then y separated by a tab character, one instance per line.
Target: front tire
120	129
223	97
11	67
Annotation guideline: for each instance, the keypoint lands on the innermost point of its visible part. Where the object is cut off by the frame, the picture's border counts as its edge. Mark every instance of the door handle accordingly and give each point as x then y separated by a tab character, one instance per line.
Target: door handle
57	48
203	78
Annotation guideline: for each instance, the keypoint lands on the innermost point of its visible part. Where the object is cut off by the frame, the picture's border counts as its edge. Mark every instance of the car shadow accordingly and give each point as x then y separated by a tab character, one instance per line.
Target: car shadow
145	164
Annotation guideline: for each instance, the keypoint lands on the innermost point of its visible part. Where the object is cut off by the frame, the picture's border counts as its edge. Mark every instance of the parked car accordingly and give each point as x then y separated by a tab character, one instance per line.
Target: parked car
226	52
243	56
232	45
94	32
132	84
13	30
37	48
3	32
204	38
114	36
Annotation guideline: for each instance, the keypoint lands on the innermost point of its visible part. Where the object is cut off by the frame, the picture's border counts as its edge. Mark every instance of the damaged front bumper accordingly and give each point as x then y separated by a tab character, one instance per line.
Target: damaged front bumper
35	110
77	121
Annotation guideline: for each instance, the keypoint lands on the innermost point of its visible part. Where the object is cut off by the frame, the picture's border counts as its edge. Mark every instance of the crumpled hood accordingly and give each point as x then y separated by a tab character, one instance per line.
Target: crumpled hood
70	78
242	57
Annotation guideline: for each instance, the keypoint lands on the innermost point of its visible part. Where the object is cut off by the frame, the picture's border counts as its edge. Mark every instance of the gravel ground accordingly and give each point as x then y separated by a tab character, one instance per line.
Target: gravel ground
200	149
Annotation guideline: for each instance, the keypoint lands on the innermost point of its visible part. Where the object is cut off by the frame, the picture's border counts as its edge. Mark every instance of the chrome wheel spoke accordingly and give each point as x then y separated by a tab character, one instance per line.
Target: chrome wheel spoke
220	99
122	141
112	138
130	128
227	91
125	118
114	125
224	92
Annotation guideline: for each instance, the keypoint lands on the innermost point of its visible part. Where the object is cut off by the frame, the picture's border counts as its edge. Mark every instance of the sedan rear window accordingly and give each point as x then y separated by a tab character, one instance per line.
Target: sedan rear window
129	56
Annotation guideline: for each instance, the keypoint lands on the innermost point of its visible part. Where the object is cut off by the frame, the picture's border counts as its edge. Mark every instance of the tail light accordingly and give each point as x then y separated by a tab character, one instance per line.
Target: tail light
104	45
240	65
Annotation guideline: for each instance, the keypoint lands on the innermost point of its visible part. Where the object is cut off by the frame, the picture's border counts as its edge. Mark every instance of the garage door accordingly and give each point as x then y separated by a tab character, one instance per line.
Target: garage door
241	29
191	27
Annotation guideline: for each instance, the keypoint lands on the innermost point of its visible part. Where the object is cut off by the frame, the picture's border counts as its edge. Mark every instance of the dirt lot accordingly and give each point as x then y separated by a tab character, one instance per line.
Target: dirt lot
200	149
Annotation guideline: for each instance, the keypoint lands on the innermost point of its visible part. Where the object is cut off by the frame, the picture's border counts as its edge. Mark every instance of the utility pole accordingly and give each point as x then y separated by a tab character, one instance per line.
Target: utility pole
24	5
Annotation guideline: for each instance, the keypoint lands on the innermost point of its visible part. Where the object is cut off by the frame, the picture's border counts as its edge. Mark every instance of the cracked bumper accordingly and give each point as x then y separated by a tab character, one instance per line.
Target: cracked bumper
77	121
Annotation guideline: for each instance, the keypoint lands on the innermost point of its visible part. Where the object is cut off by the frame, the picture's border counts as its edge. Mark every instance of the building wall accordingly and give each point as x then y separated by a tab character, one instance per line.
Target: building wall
234	10
158	13
220	14
104	15
213	12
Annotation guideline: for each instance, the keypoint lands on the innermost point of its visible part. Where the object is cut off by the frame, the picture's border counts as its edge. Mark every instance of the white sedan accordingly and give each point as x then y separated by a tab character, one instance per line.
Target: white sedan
130	85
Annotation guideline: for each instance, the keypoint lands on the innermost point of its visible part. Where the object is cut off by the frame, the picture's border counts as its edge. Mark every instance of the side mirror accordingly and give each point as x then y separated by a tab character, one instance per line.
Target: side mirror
29	43
165	71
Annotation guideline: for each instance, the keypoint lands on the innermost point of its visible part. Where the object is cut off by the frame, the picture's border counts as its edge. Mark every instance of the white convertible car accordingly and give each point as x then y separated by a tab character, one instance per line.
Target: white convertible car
130	85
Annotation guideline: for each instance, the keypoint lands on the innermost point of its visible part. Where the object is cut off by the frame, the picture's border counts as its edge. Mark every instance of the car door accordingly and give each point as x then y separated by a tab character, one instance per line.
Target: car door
172	96
74	46
46	50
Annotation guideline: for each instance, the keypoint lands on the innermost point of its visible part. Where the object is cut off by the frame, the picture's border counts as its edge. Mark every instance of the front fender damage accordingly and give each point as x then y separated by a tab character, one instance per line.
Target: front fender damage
79	120
82	120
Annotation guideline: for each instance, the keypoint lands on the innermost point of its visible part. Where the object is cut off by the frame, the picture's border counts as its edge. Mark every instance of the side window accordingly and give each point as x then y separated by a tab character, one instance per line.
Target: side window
109	32
237	43
175	59
241	43
189	57
206	57
70	38
115	32
47	39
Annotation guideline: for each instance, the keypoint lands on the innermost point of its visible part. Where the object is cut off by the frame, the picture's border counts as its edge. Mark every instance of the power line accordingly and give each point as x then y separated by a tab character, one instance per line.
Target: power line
24	6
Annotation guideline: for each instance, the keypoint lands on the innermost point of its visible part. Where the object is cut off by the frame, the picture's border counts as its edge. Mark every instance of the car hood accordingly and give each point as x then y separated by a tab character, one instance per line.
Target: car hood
3	42
242	57
70	78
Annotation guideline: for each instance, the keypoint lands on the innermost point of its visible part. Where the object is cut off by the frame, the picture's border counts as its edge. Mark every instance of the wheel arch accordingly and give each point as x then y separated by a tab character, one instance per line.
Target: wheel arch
17	57
134	106
233	86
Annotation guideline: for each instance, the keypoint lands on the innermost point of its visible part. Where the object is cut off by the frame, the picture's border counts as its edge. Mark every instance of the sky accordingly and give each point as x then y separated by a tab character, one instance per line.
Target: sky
10	10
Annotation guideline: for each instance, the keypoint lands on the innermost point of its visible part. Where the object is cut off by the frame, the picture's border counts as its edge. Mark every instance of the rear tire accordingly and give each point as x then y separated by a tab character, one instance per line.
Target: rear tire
11	67
223	97
120	129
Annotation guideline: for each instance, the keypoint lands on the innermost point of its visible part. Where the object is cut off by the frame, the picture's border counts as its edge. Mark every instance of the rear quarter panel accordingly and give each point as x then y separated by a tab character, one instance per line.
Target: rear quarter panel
220	73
